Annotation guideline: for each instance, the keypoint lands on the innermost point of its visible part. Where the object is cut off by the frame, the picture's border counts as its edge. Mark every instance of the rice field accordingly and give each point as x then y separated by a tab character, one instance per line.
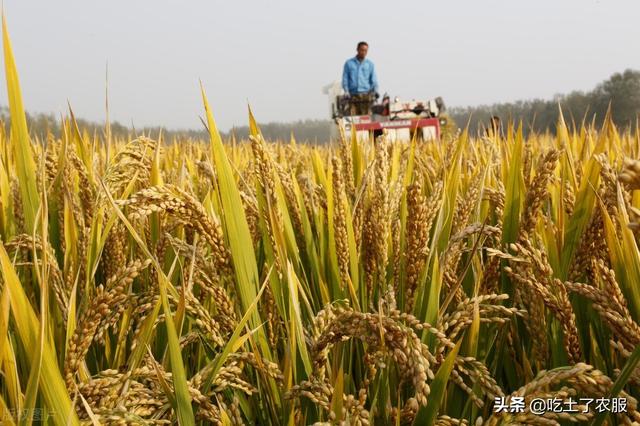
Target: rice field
273	282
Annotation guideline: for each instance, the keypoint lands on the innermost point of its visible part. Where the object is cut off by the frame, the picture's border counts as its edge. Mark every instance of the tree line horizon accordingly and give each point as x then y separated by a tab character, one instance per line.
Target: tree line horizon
620	93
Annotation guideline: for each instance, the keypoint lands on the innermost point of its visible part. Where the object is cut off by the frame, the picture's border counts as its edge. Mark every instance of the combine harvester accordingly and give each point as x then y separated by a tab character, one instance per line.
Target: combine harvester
401	120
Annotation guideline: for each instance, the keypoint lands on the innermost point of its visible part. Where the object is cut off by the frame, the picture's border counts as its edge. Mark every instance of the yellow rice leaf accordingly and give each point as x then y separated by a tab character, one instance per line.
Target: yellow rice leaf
237	228
25	164
51	383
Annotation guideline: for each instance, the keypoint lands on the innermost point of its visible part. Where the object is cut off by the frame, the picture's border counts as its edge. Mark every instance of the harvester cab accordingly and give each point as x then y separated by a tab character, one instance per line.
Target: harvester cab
402	120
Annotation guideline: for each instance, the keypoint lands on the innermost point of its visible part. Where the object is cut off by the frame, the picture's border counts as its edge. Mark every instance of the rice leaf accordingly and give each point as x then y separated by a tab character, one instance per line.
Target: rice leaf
51	384
25	164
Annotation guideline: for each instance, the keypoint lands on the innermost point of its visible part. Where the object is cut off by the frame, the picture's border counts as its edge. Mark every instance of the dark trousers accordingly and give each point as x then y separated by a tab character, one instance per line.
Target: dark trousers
361	104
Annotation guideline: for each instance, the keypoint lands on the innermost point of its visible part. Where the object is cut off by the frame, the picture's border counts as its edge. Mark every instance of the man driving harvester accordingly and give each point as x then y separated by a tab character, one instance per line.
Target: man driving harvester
359	81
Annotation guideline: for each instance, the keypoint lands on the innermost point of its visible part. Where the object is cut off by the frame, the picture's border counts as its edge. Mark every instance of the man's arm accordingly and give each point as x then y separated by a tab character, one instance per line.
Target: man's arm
345	77
374	78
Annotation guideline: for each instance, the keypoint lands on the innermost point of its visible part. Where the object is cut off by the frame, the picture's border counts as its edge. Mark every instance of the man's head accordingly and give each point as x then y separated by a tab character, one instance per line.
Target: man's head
363	48
494	122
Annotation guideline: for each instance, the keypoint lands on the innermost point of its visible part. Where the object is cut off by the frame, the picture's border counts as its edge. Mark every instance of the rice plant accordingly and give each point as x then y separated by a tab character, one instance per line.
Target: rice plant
272	282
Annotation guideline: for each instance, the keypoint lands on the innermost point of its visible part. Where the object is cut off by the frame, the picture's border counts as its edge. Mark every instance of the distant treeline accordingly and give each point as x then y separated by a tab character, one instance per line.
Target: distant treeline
312	131
621	91
42	124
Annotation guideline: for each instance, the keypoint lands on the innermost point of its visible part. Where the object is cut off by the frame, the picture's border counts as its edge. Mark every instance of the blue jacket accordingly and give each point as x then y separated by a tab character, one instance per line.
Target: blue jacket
359	77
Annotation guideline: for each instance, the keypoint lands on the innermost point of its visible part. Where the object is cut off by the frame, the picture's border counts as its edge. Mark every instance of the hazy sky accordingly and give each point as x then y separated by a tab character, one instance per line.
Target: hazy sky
278	54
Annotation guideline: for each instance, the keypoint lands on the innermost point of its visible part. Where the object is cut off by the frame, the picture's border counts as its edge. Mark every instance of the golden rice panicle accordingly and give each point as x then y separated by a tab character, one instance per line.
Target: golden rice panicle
454	250
340	221
630	174
593	245
568	198
22	245
266	180
184	208
18	212
115	250
610	304
397	195
377	221
538	191
87	191
608	190
491	273
421	213
557	300
346	159
293	207
411	356
528	164
132	161
109	300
